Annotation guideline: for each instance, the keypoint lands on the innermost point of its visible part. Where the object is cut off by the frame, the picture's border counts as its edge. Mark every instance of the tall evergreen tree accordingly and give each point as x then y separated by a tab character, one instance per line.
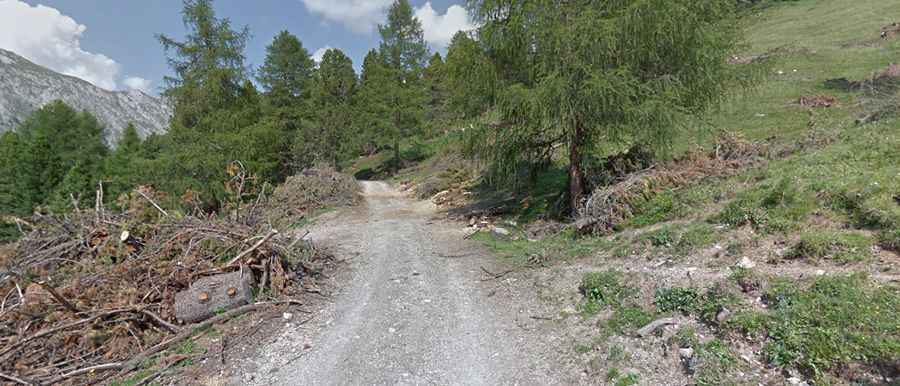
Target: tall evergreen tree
372	110
405	54
123	167
616	72
328	138
287	72
471	81
435	77
208	64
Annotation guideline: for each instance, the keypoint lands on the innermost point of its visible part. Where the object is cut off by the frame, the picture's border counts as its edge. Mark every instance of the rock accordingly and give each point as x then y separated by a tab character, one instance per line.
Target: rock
502	232
794	381
213	294
746	263
820	272
723	315
686	353
287	316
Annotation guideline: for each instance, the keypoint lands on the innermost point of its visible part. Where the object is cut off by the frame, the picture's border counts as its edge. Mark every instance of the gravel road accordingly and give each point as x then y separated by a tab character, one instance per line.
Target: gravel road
417	309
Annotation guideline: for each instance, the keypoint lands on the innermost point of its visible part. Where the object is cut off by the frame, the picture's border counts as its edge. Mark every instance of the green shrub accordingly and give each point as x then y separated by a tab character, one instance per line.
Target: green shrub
841	246
606	288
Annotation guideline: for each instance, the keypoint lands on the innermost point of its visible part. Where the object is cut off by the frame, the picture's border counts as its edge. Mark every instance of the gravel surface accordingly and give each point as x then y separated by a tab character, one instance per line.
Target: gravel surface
417	309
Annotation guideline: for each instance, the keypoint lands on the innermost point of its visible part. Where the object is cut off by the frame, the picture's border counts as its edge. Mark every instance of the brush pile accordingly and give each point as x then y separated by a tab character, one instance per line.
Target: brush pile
91	293
609	206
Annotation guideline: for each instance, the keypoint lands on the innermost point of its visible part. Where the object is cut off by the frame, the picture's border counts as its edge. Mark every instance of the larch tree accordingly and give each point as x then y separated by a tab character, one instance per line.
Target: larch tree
580	74
405	55
287	73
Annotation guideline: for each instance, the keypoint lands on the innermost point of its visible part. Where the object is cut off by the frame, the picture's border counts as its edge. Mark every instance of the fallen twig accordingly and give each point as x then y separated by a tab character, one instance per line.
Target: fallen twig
169	326
495	276
259	243
146	197
63	327
655	325
18	380
90	369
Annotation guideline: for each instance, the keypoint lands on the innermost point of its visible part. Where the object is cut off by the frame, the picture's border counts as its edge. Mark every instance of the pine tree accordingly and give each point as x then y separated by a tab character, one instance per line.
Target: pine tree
405	53
328	138
287	72
208	65
471	81
372	109
122	170
616	72
435	78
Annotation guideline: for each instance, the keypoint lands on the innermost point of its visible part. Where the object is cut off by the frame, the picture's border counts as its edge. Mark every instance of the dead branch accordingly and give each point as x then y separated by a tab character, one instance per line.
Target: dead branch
18	380
90	369
168	326
63	327
58	297
187	333
259	243
159	208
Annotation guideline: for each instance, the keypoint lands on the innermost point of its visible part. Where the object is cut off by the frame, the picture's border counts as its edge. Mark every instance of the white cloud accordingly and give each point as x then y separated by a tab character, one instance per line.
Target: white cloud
320	53
439	29
362	16
45	36
136	83
359	16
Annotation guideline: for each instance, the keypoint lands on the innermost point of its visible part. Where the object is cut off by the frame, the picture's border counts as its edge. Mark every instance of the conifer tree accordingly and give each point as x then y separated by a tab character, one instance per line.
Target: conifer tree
605	72
287	72
329	136
404	53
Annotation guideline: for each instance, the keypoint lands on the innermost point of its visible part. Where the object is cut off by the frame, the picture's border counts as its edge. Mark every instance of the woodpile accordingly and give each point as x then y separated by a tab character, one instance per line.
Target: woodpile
93	293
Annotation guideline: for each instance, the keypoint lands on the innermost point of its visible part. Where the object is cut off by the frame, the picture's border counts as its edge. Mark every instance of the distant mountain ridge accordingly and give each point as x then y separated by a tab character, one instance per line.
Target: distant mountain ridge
26	87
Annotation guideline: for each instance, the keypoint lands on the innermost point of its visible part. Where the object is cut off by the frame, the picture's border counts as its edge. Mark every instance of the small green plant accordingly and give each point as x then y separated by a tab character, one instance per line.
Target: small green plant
690	301
612	374
628	318
686	337
679	299
616	354
662	237
627	380
715	361
845	247
606	288
748	323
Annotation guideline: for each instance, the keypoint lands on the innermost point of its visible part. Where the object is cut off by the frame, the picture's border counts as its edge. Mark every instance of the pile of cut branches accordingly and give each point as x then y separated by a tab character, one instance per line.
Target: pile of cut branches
611	205
93	292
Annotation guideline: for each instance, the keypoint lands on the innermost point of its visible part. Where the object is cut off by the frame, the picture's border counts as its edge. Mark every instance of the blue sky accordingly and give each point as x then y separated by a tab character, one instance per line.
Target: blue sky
112	44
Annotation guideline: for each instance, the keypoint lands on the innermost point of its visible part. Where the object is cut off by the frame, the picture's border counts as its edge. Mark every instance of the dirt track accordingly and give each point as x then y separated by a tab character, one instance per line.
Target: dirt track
417	309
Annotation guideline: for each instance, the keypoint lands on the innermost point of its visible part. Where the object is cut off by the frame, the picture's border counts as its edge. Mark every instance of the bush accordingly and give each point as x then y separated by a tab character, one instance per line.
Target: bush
628	318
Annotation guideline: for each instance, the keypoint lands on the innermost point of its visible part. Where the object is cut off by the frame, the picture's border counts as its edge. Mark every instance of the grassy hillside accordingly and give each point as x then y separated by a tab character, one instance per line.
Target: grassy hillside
789	265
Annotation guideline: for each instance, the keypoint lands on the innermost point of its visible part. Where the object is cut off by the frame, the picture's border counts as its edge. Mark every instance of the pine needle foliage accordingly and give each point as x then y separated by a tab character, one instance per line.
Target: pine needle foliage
582	74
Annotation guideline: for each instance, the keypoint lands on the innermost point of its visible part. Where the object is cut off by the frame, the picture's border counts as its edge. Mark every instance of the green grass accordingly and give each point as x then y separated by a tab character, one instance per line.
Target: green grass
607	288
845	247
562	246
835	322
705	305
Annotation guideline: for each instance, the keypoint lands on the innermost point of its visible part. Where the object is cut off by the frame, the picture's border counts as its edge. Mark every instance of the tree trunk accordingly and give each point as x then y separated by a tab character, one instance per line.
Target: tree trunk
576	176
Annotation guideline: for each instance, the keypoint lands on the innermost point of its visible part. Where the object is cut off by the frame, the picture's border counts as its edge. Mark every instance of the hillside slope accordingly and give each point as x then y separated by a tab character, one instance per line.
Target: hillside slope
27	86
